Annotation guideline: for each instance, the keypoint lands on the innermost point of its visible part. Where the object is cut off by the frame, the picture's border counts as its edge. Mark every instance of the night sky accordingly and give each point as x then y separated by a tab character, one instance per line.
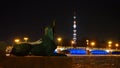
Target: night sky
95	18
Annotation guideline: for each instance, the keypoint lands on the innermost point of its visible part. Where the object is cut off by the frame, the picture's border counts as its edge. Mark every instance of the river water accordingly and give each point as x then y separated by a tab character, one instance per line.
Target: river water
96	61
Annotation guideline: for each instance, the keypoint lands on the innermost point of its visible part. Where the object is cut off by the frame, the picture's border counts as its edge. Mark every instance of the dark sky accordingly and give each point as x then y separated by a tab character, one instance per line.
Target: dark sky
95	18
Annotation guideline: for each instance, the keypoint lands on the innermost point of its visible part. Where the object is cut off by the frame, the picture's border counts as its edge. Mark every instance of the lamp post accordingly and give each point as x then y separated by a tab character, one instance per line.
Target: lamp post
92	44
17	41
59	39
26	39
87	42
109	44
116	45
72	43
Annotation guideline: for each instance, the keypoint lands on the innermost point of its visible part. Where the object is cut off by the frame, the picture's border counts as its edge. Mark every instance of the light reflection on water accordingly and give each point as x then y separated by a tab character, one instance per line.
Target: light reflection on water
102	61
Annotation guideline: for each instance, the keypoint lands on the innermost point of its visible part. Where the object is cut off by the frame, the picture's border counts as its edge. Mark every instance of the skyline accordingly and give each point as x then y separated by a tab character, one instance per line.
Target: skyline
95	19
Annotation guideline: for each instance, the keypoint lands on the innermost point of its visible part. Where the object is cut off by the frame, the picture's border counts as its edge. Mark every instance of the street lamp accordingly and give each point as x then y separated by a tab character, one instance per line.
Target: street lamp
26	39
87	41
72	43
17	41
109	44
59	39
116	45
92	44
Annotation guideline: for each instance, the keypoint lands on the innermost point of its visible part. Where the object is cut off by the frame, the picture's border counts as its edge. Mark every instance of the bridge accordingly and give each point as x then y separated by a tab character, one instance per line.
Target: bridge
87	51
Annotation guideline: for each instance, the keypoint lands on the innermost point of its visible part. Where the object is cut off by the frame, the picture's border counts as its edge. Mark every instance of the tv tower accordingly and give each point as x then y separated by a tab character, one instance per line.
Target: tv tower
74	29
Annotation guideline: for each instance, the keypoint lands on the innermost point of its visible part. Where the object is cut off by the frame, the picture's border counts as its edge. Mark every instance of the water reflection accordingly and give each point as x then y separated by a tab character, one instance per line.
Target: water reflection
96	61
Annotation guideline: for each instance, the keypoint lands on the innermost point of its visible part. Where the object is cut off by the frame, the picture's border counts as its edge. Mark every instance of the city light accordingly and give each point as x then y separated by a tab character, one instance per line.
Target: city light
87	41
92	44
116	45
59	39
72	43
74	29
109	45
26	39
17	40
109	42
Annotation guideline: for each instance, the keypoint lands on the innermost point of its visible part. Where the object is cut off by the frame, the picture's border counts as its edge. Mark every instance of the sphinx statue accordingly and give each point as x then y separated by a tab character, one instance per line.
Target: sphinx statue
46	46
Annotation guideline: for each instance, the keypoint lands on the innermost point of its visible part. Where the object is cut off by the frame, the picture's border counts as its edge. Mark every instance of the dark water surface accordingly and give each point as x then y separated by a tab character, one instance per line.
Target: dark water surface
102	61
83	61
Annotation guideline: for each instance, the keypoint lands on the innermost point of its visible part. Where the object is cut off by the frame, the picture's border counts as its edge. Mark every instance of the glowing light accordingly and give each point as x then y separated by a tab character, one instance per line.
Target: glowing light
17	40
74	34
59	39
26	39
72	42
74	22
99	52
74	17
109	42
92	44
74	29
87	42
74	26
109	45
74	39
117	45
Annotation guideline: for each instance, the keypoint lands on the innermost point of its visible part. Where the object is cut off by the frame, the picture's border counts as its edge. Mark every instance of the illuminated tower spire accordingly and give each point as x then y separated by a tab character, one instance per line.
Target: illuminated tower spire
74	28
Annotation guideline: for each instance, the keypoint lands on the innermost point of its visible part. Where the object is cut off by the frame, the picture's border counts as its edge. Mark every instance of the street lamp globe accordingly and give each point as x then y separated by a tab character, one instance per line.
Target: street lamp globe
116	45
17	40
72	43
92	44
109	42
26	39
59	39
